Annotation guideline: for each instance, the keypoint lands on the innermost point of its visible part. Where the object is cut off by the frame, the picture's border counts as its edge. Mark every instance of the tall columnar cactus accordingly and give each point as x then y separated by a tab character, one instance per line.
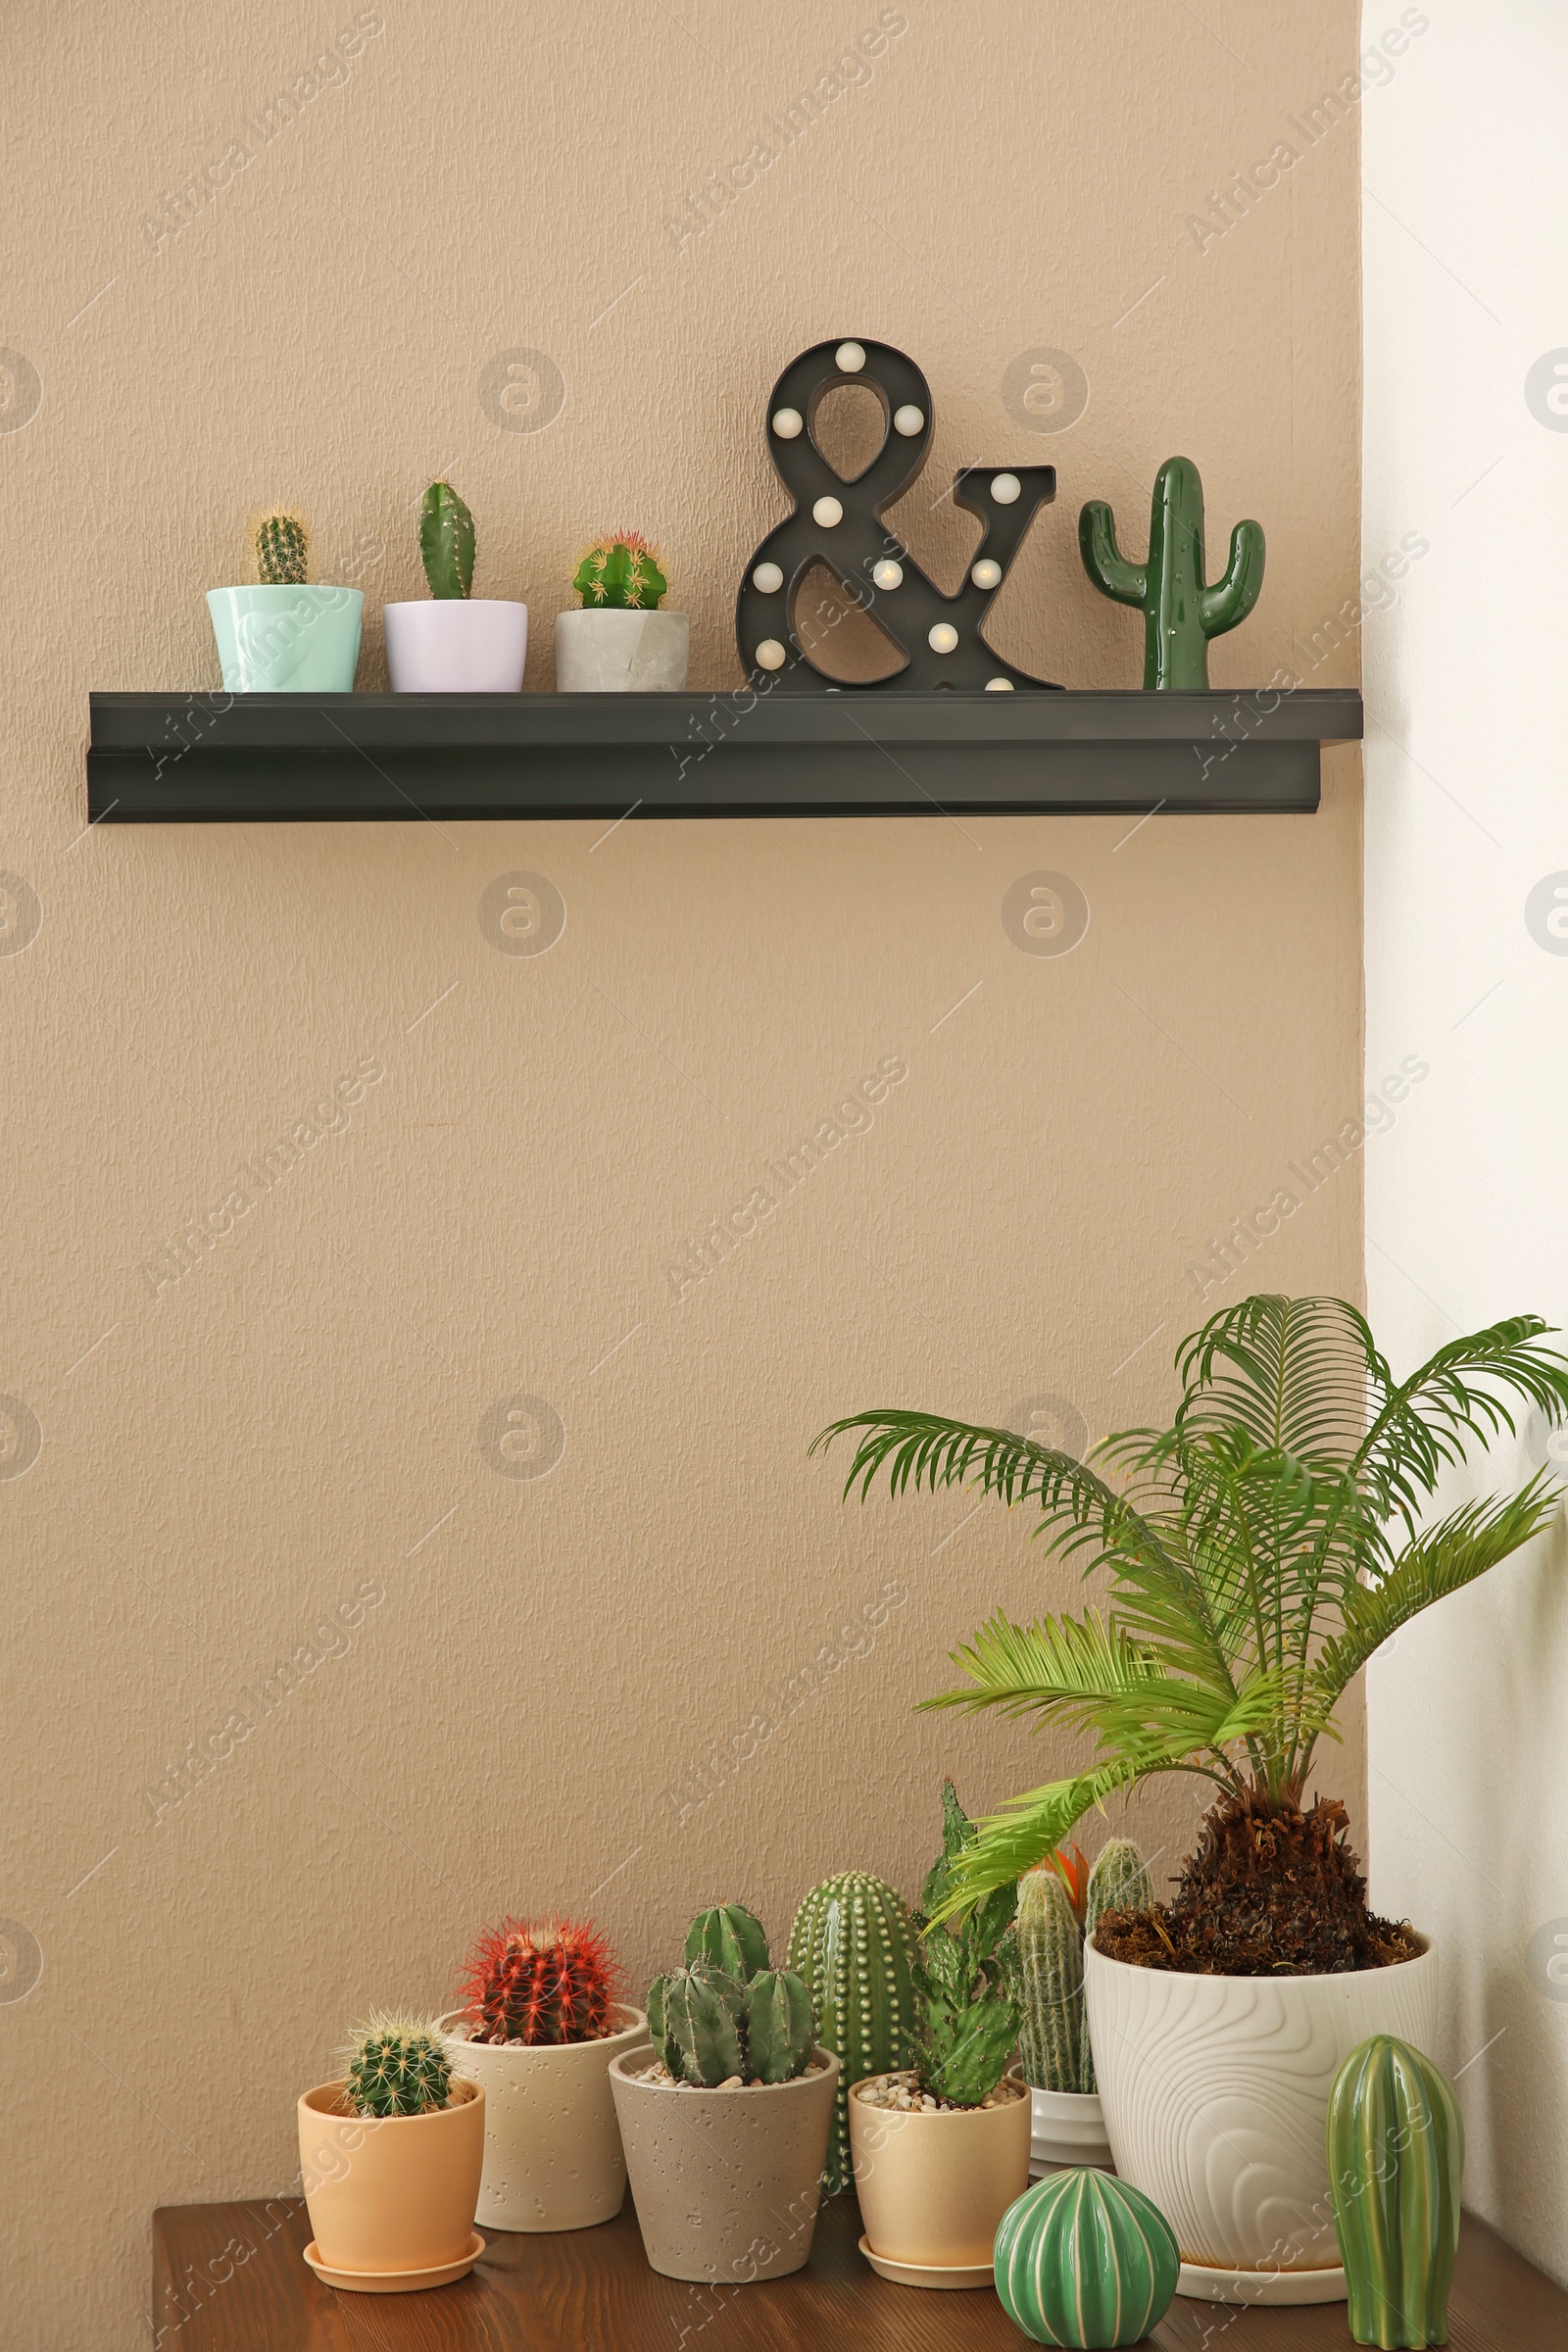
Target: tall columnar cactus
1053	2038
732	1938
1060	1903
1396	2147
1179	614
853	1942
709	2027
283	552
620	573
397	2066
446	541
534	1984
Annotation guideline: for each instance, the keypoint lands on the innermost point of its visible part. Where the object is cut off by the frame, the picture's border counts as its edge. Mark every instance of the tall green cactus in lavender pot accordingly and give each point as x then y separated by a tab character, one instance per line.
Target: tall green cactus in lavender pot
1396	2147
852	1941
1180	612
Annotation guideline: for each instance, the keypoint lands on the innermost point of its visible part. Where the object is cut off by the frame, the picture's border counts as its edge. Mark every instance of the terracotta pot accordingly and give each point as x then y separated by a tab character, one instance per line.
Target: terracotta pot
933	2187
553	2158
1215	2091
393	2192
727	2182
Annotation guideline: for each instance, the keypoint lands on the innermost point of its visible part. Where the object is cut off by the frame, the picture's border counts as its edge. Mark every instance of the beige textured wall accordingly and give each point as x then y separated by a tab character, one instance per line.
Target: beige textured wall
294	1422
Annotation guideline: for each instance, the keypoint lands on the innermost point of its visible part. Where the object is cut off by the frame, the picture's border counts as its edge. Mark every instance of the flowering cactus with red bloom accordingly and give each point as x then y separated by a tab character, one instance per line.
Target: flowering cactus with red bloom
551	1983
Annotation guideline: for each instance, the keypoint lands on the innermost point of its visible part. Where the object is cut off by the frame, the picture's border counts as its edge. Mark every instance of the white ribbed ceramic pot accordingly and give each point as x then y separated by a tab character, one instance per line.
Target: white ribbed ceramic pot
553	2158
1215	2094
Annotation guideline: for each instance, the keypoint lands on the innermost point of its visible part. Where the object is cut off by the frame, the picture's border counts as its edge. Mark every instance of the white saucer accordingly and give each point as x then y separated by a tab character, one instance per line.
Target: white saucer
926	2273
396	2282
1262	2287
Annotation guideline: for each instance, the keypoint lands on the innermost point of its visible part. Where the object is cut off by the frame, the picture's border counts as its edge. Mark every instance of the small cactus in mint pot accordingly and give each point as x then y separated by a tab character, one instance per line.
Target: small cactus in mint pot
397	2066
446	541
1396	2149
282	551
621	572
1180	612
854	1944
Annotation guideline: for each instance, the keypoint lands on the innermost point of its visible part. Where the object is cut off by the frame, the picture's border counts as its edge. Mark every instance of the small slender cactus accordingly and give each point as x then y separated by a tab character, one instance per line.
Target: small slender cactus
703	2009
853	1942
1179	614
732	1938
1053	2040
1396	2149
283	552
397	2066
1118	1882
621	572
446	541
780	2026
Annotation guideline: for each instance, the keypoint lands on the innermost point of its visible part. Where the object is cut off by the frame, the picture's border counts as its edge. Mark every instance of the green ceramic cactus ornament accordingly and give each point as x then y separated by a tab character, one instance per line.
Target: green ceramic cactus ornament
1396	2147
1179	614
1087	2260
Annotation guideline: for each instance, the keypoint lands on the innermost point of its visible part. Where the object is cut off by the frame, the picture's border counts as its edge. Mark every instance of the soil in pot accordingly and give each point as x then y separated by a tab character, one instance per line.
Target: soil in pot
726	2181
933	2179
1263	1893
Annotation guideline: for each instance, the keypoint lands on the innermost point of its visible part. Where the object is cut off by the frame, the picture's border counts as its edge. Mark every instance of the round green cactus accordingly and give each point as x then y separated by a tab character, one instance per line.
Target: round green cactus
397	2066
283	552
853	1945
1087	2260
620	574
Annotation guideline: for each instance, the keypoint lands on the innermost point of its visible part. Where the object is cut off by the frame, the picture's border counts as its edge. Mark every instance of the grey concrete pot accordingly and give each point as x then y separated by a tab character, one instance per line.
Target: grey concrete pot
621	651
727	2182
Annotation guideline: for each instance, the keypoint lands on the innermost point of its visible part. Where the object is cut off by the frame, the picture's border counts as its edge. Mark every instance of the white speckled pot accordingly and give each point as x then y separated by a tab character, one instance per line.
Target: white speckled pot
553	2157
727	2182
1216	2095
621	651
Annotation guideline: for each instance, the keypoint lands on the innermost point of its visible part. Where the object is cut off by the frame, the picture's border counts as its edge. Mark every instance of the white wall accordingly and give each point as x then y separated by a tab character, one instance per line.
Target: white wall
1466	288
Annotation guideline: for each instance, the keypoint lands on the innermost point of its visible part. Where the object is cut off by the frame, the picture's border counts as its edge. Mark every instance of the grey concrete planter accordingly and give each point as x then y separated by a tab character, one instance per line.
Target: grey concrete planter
621	651
727	2182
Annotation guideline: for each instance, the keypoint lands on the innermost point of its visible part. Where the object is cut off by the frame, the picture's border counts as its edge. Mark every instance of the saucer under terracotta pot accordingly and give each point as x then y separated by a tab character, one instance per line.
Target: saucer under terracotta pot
393	2194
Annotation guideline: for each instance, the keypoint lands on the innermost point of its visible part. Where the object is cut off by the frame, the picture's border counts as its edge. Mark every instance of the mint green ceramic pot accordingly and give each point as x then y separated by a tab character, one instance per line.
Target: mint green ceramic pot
287	640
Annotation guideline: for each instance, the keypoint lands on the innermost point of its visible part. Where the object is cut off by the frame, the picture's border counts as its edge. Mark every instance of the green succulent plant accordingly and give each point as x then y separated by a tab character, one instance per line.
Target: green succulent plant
620	573
446	541
968	1978
282	551
708	2021
1258	1553
397	2066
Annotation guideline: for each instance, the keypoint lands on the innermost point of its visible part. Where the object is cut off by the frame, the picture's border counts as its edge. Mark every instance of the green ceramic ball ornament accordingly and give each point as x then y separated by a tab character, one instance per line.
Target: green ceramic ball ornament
1084	2258
1396	2144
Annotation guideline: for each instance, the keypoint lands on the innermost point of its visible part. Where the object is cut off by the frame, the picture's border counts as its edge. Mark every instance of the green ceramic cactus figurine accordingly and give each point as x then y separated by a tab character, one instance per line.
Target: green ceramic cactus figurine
1060	1902
1084	2259
1395	2146
732	1938
853	1942
446	541
1179	614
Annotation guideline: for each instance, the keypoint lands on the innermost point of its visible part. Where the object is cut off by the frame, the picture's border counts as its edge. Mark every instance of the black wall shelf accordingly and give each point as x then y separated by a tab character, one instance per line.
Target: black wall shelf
214	758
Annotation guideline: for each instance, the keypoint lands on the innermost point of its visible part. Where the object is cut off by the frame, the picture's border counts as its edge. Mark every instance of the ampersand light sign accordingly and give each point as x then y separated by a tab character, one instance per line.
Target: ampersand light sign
838	523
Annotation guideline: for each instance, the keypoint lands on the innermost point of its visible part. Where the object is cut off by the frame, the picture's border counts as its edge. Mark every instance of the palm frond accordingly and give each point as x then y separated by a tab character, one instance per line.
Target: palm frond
1458	1397
1291	1373
1443	1559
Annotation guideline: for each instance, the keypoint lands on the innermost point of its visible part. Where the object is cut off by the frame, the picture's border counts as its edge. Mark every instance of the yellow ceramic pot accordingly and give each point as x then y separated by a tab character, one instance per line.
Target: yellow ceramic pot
933	2187
394	2192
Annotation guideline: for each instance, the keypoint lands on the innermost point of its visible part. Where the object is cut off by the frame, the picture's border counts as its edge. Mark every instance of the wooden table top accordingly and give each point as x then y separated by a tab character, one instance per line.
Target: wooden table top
231	2278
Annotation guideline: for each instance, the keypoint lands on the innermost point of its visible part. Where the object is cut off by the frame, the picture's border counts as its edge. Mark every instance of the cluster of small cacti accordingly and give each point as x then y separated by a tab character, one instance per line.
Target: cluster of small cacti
727	2016
967	1980
1059	1903
446	541
282	551
550	1983
623	572
853	1944
396	2066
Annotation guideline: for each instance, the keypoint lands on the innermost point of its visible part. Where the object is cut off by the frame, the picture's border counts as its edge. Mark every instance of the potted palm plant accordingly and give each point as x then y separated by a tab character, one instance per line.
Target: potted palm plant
941	2148
538	2028
1258	1553
454	642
